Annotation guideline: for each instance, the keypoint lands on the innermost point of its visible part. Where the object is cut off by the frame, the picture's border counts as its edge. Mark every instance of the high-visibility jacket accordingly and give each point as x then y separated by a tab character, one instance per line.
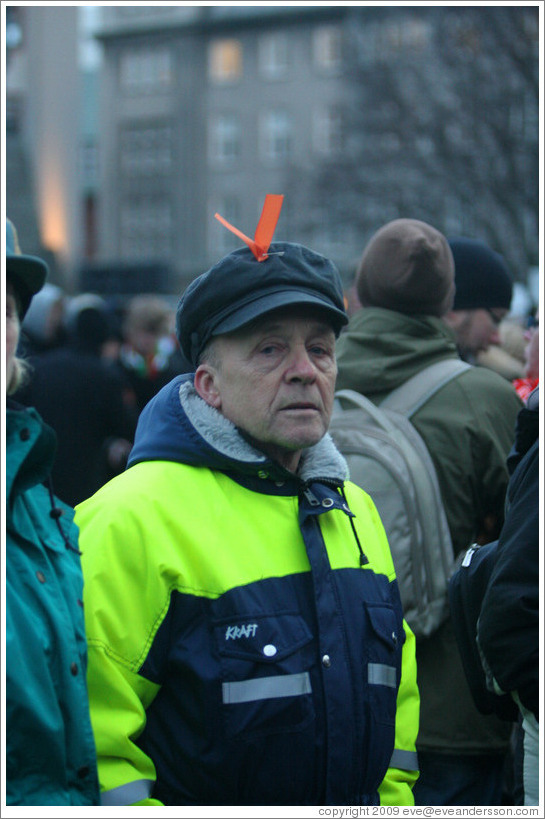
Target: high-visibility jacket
244	648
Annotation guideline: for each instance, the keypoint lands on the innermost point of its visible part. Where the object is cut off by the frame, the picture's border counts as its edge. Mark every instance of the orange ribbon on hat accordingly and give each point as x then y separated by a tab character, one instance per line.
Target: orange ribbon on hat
266	226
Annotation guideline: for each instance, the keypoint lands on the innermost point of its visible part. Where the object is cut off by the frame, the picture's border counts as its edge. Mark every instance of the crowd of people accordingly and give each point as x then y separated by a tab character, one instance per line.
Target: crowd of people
219	621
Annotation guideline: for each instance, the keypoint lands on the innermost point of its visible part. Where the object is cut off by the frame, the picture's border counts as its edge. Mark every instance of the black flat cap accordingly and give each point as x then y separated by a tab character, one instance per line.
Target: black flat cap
239	289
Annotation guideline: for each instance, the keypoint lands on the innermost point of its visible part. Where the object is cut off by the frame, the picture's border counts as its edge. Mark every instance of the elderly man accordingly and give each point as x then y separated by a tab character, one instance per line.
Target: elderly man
247	644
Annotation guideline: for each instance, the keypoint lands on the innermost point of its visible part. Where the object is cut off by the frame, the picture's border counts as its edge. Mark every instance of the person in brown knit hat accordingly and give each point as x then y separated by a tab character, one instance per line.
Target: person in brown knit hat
407	266
405	282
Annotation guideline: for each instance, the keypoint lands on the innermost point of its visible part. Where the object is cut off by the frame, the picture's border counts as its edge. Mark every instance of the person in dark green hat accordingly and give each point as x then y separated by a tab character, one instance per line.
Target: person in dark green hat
50	750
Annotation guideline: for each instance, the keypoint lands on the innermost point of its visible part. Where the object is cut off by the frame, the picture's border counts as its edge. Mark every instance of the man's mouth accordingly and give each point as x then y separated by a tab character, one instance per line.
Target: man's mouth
301	405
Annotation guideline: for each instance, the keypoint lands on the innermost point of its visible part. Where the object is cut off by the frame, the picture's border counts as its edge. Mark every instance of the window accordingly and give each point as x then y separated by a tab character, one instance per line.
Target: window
327	48
145	71
89	163
330	234
328	133
224	139
225	61
411	35
146	227
275	136
145	151
273	56
127	11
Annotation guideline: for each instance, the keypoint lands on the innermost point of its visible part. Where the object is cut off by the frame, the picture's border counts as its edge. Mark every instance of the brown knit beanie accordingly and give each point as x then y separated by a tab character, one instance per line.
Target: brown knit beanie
407	266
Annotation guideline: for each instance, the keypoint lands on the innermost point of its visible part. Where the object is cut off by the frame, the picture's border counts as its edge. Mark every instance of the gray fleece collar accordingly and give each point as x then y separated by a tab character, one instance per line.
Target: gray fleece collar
321	461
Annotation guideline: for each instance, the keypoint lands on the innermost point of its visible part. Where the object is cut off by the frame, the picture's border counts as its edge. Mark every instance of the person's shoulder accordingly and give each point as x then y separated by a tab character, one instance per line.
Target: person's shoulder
474	400
146	483
486	381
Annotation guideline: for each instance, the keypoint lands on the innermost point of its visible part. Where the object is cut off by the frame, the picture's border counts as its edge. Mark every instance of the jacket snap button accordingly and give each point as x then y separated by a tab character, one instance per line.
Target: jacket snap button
269	650
73	668
24	435
83	771
327	502
40	576
326	661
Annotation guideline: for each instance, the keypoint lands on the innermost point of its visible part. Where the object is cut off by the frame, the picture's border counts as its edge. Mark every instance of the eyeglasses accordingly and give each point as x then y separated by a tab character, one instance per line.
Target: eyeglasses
494	316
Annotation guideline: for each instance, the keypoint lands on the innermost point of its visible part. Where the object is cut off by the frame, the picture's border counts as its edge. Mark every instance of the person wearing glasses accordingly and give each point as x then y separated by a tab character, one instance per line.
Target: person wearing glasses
484	289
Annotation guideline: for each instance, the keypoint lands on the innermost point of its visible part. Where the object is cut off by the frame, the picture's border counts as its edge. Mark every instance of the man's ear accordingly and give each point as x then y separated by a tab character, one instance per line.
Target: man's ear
206	385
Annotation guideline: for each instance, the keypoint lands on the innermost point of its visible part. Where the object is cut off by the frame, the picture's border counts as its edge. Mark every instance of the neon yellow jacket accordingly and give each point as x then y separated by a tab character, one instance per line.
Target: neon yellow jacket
239	653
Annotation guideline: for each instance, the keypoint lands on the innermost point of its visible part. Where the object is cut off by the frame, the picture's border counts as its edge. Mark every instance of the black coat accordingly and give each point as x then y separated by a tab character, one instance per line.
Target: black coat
508	630
82	397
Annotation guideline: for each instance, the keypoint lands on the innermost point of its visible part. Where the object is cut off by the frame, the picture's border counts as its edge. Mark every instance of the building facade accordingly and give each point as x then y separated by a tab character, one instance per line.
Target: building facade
357	114
42	132
204	110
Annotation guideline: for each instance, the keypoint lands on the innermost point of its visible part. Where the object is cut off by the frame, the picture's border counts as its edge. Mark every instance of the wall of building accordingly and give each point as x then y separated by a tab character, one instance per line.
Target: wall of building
51	129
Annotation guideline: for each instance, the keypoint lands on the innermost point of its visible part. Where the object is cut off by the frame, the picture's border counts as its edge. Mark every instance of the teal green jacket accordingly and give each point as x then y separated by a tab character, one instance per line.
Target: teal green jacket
469	428
243	650
50	750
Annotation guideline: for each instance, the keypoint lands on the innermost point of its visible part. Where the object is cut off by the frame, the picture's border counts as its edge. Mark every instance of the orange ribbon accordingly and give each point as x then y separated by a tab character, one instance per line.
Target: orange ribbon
266	226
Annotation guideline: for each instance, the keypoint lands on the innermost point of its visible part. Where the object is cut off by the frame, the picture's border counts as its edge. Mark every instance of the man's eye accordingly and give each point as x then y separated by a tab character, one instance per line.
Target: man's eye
269	349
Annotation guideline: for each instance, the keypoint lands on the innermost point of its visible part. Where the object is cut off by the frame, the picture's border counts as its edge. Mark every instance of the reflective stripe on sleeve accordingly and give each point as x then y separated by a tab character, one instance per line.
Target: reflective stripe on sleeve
405	760
266	688
380	674
128	794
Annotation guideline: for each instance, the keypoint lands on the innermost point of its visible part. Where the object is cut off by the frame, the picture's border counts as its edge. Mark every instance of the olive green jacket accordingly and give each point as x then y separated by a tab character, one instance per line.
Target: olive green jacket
468	427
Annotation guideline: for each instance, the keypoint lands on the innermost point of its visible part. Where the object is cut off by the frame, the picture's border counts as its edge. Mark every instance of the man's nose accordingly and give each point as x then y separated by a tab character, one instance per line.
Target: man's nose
300	366
495	337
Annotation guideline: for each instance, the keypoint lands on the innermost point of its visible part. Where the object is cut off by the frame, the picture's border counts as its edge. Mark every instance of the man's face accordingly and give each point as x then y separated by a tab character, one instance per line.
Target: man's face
477	329
275	380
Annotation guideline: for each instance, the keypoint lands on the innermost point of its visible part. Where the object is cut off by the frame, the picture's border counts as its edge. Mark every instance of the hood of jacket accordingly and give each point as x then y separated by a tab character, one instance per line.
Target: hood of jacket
381	349
177	425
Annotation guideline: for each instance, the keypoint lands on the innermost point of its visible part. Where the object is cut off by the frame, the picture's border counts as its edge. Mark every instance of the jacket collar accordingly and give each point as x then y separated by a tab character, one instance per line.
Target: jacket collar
30	448
381	349
320	462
